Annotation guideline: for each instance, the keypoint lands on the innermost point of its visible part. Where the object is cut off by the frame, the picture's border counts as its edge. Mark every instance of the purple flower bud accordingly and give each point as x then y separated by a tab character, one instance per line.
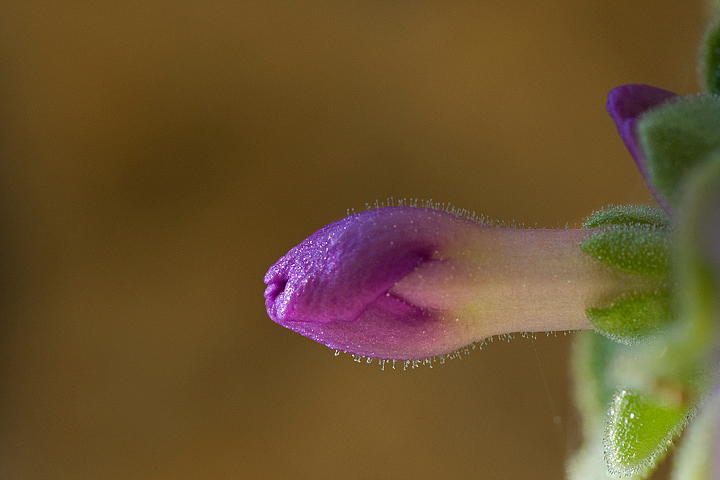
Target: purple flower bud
408	283
626	104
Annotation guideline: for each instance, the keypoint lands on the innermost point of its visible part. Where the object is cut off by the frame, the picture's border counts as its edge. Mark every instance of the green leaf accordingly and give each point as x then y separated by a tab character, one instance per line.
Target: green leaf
711	59
691	344
642	251
691	356
633	320
628	216
640	429
599	366
676	137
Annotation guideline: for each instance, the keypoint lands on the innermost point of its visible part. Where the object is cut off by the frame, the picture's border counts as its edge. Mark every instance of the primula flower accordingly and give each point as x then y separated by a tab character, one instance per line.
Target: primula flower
407	283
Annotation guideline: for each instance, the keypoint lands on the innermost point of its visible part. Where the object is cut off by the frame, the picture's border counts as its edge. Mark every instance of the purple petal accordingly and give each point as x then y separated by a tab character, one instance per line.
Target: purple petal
625	105
334	286
336	272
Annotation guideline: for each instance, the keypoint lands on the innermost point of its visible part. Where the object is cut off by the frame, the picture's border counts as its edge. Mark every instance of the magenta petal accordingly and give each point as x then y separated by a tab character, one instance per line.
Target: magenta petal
334	286
342	268
625	105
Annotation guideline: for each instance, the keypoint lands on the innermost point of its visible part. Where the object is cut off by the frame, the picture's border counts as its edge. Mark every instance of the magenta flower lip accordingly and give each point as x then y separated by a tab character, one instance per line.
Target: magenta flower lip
335	286
406	283
325	280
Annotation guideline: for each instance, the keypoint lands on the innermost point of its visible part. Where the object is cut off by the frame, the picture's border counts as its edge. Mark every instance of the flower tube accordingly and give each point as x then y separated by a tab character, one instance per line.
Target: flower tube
406	283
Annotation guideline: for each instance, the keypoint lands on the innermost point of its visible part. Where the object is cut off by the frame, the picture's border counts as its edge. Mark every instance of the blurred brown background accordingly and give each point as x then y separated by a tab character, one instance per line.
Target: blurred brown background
157	157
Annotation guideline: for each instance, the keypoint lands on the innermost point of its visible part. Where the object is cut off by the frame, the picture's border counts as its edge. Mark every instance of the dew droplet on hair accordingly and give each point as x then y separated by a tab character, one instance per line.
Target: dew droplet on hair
427	361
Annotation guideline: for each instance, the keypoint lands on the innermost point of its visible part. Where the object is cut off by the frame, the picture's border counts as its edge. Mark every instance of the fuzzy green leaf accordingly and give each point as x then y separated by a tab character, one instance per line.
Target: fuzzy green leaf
640	430
711	59
629	216
676	137
642	251
633	320
600	365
